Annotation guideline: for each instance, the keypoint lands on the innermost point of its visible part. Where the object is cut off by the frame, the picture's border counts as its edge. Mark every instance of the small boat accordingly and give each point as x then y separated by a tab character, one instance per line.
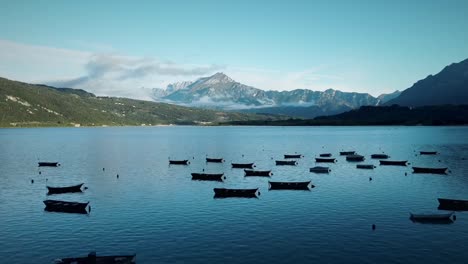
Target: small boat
380	156
428	152
290	185
365	166
355	157
266	173
346	153
93	259
68	189
432	218
393	162
225	193
430	170
292	156
452	204
208	176
327	160
286	162
48	164
64	206
243	165
179	162
215	160
325	155
319	169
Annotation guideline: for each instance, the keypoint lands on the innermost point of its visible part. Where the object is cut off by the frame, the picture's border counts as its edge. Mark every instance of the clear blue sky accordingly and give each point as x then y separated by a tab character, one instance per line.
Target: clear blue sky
365	46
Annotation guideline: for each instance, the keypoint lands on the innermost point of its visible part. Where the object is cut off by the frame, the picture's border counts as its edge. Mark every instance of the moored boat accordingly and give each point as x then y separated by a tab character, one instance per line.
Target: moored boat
325	155
92	258
262	173
215	160
345	153
393	162
365	166
48	164
225	193
319	169
452	204
380	156
430	170
428	152
433	218
325	160
290	185
208	176
286	162
67	189
355	157
292	156
65	206
242	165
179	162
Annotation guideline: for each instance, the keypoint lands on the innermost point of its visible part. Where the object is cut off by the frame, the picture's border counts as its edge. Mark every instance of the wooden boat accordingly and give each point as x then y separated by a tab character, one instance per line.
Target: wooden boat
345	153
286	163
393	162
179	162
48	164
365	166
68	189
225	193
446	216
292	156
266	173
355	157
325	155
428	152
242	165
380	156
290	185
64	206
327	160
215	160
430	170
452	204
208	176
319	169
93	259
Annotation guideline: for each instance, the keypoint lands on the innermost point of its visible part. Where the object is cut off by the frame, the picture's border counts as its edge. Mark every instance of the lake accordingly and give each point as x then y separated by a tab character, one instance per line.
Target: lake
159	213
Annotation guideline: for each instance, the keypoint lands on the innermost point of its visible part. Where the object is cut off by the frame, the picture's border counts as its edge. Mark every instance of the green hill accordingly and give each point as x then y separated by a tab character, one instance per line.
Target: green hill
29	105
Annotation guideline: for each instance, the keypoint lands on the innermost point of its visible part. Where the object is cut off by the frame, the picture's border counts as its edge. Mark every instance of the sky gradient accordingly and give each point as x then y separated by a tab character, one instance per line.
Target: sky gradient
119	47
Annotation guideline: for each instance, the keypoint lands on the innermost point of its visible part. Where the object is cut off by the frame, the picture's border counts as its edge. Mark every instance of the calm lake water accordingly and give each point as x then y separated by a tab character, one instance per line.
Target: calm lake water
159	213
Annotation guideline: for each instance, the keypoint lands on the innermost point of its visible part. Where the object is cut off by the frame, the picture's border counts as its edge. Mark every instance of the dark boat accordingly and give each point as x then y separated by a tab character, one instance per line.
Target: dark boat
454	205
243	165
48	164
208	176
68	189
345	153
179	162
365	166
432	218
215	160
290	185
286	162
430	170
93	259
292	156
266	173
355	157
328	160
393	162
67	207
319	169
428	152
325	155
225	193
380	156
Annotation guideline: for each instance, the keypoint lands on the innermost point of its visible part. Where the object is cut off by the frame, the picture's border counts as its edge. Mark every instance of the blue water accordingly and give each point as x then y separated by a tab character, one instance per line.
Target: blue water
159	213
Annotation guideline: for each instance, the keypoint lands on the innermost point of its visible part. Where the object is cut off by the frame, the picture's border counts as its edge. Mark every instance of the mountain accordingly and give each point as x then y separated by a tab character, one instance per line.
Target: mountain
450	86
221	92
23	104
383	98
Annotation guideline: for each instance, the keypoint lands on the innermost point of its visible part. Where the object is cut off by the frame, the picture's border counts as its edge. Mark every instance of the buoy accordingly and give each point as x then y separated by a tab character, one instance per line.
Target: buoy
370	178
46	179
440	161
373	226
242	155
103	169
32	181
117	176
203	170
193	157
40	172
406	173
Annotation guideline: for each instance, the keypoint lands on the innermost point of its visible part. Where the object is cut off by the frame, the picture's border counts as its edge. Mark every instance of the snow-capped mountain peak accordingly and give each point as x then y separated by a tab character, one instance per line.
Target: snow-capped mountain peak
218	77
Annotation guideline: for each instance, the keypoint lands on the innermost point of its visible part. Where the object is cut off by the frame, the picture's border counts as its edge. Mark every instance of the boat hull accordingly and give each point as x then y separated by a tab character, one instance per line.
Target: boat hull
179	162
257	173
365	166
286	163
393	162
380	156
208	176
124	259
355	157
430	170
239	193
65	207
346	153
453	205
290	185
428	152
325	155
293	156
320	170
325	160
68	189
214	160
242	165
48	164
